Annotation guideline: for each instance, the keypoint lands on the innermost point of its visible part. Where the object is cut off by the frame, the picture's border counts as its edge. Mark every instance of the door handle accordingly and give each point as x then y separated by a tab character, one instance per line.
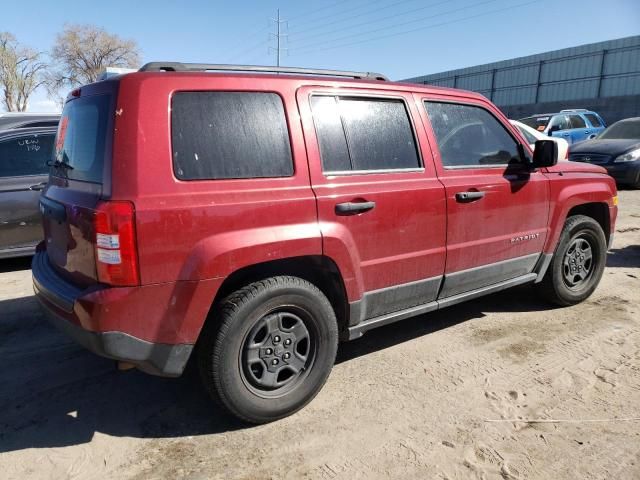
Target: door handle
468	196
38	186
351	208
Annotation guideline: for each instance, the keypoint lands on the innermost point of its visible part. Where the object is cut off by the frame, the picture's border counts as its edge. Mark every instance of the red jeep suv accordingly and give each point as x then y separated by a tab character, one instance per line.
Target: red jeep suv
255	218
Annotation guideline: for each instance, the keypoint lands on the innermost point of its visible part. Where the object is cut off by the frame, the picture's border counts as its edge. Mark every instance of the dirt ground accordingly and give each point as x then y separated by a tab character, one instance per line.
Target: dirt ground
444	395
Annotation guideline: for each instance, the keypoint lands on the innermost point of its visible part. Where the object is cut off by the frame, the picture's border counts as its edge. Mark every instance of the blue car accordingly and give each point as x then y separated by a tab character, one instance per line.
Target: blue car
574	126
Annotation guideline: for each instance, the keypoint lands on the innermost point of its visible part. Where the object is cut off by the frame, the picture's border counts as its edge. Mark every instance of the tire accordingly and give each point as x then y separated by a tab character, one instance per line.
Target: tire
571	277
269	348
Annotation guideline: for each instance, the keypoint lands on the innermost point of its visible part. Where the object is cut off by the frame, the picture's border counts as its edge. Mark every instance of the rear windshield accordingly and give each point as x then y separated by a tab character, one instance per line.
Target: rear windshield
628	129
81	138
537	123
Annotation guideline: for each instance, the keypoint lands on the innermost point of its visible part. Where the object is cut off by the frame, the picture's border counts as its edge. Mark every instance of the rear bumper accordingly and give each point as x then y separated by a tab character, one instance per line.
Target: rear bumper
66	306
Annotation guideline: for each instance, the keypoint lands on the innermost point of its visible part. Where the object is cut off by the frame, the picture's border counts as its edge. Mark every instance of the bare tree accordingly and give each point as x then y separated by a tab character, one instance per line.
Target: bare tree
82	52
21	72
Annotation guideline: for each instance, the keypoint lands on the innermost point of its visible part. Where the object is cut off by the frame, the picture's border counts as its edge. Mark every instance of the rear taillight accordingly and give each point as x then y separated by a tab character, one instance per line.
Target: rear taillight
115	244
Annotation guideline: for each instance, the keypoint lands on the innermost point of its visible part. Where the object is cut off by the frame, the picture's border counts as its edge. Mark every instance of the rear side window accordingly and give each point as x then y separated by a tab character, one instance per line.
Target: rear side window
218	135
469	136
82	137
25	155
359	134
577	121
595	121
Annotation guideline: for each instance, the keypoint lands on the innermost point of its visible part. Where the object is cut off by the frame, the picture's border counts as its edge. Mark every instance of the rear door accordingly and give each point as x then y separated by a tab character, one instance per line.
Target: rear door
579	130
23	174
496	209
83	154
380	205
596	124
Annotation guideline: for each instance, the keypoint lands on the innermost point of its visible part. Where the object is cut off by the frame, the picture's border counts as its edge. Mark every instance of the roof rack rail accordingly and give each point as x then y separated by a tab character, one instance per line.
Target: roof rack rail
574	110
198	67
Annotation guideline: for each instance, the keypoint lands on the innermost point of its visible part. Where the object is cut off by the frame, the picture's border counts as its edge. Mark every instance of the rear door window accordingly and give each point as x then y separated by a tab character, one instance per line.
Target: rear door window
25	155
225	135
595	121
82	138
469	136
364	134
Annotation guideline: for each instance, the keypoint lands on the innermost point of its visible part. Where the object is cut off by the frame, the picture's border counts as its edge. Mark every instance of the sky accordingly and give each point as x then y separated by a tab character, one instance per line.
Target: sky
399	38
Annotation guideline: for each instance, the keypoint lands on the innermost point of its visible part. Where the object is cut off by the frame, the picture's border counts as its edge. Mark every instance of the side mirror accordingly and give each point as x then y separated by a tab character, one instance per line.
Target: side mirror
545	154
554	128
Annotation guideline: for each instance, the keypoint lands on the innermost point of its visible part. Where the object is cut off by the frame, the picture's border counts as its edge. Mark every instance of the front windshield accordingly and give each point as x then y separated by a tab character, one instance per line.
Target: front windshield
625	129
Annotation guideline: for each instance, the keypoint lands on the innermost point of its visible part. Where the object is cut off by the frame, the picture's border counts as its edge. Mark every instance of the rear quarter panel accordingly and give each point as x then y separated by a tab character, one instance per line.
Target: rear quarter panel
195	230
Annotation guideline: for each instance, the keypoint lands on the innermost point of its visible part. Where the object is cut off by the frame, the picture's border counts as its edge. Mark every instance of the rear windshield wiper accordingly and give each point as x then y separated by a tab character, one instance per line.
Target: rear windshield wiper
59	164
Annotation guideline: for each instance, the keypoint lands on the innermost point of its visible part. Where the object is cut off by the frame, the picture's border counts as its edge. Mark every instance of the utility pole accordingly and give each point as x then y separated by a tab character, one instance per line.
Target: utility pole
278	36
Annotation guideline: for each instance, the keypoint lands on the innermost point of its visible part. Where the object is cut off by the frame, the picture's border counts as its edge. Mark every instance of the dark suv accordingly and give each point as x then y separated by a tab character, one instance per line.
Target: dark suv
257	218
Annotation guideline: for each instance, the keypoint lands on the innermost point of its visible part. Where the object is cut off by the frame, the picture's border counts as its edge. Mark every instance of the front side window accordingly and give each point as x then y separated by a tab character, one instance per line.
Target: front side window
224	135
560	122
25	155
577	121
469	136
360	134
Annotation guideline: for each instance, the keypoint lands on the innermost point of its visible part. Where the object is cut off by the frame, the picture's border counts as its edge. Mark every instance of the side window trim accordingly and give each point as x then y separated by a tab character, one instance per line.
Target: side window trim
425	100
373	97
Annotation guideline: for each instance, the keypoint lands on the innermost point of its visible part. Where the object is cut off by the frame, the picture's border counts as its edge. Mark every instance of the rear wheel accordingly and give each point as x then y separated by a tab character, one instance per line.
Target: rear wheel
578	263
272	350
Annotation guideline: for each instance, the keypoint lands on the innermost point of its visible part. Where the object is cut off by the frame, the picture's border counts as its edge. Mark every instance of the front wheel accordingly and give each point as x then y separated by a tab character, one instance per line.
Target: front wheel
269	348
578	263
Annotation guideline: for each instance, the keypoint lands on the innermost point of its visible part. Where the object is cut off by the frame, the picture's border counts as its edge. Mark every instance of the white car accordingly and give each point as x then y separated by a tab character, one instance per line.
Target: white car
531	135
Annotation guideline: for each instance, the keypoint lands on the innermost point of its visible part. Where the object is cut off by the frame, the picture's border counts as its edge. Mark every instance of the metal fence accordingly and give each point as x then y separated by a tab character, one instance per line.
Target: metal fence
605	69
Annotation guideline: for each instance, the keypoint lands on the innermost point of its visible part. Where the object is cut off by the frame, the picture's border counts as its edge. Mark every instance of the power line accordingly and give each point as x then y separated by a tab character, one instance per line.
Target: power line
242	53
380	37
366	4
317	10
349	18
306	37
401	24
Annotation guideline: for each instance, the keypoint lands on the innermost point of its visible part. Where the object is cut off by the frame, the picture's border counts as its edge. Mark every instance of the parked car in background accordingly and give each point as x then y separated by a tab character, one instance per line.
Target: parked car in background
261	218
11	120
24	153
574	126
532	136
617	149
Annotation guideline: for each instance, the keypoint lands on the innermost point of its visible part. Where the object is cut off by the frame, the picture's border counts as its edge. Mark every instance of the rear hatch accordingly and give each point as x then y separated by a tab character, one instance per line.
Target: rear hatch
80	177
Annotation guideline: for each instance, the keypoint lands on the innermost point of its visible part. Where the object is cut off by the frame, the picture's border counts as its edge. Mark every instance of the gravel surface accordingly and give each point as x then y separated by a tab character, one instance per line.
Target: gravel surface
503	387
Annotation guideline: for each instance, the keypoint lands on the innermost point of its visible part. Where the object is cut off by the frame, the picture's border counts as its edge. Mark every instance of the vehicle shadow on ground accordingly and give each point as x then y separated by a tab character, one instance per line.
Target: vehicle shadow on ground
15	264
626	257
54	393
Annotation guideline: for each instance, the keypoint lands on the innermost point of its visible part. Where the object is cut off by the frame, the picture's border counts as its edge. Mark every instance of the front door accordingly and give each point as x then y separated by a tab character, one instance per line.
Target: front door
497	209
381	207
